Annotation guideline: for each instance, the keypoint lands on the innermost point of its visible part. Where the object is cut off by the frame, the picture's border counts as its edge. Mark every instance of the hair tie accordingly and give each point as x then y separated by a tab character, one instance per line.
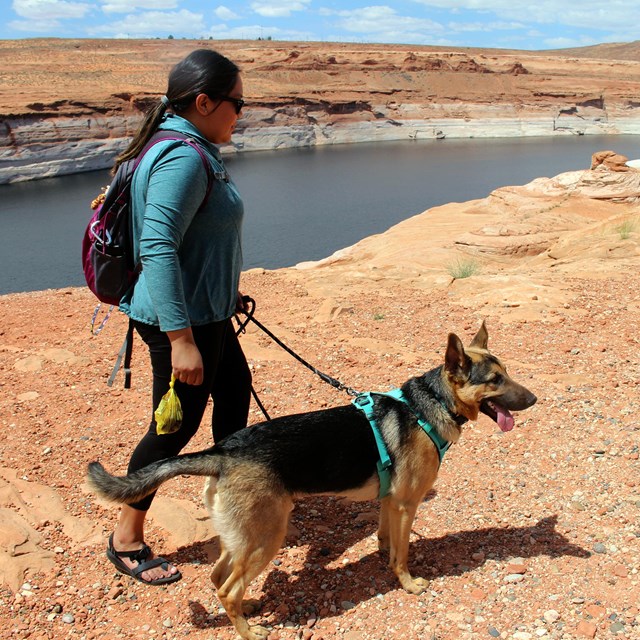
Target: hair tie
165	101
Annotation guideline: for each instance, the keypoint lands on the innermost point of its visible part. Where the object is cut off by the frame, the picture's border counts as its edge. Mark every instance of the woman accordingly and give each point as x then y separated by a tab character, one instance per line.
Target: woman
187	237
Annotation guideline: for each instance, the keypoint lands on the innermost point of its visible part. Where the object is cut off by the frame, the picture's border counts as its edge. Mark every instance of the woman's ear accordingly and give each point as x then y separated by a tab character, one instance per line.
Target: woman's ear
203	104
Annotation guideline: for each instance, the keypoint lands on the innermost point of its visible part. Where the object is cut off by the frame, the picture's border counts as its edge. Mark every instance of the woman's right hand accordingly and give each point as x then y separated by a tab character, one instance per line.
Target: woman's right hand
185	357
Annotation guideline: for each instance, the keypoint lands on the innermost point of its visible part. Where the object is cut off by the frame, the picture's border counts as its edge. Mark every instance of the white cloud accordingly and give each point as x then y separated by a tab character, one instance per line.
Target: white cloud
154	23
382	23
586	14
255	31
42	10
569	43
224	13
279	8
471	27
127	6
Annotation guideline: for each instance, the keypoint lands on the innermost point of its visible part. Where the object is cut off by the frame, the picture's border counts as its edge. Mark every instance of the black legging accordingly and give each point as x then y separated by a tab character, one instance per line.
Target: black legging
227	380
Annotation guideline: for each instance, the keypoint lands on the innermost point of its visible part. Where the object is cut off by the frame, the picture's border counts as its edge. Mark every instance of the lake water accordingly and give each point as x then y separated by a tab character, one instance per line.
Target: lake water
301	204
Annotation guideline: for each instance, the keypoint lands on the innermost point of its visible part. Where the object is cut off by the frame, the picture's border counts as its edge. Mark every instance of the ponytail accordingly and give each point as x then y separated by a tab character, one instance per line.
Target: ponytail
148	128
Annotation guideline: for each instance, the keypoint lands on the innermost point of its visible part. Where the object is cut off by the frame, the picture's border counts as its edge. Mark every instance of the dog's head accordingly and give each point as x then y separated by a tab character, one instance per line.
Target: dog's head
480	382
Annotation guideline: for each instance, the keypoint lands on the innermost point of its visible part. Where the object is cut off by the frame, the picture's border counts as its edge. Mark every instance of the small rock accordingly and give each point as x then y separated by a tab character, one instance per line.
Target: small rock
347	605
367	516
587	629
617	627
598	547
522	635
595	611
551	616
115	592
68	618
514	577
29	395
516	567
493	632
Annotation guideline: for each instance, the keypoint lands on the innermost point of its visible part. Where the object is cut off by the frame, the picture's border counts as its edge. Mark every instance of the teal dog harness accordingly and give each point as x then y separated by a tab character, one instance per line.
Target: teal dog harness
364	402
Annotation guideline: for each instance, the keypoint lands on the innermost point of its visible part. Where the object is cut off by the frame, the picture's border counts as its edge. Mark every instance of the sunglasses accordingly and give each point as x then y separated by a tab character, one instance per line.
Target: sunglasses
238	102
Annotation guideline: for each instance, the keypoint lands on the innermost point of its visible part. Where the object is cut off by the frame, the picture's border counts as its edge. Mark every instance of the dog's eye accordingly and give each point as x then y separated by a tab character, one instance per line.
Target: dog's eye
497	379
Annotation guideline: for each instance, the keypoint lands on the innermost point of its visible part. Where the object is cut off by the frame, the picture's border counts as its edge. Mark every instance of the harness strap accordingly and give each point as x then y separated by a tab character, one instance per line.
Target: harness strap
365	403
441	445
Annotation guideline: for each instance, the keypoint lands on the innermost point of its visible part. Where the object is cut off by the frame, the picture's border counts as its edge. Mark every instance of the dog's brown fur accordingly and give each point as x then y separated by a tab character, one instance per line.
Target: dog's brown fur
250	493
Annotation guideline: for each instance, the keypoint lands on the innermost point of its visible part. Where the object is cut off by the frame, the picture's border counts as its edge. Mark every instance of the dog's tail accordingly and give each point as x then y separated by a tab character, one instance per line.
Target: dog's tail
141	483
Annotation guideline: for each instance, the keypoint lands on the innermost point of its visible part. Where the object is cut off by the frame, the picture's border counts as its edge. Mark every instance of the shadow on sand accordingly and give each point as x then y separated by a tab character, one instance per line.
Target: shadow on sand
363	579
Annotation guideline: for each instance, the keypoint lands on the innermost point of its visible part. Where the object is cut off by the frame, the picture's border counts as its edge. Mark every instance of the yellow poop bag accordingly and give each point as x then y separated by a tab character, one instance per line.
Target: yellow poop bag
169	412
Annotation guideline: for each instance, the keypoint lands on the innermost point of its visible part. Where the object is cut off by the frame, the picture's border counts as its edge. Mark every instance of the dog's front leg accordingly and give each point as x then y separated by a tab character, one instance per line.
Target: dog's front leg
383	525
401	516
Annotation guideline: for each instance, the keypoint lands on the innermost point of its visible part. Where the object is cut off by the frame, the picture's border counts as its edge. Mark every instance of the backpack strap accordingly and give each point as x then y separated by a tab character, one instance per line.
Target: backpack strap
125	353
166	134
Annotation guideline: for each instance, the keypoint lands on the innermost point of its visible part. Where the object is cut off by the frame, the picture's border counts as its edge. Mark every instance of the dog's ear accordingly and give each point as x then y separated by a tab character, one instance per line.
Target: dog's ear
482	338
456	361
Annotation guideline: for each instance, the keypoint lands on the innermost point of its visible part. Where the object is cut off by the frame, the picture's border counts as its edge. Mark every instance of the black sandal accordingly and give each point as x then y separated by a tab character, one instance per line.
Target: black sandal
140	556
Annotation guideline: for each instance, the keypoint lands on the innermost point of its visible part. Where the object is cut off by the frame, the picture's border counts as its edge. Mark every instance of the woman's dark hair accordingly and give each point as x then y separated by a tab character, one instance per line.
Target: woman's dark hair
202	71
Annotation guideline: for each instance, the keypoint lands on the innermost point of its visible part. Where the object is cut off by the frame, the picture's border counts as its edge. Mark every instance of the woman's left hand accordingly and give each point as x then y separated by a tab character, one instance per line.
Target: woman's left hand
242	303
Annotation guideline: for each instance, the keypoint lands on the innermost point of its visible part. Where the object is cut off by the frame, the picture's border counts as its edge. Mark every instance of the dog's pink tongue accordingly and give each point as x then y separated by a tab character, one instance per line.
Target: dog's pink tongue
505	419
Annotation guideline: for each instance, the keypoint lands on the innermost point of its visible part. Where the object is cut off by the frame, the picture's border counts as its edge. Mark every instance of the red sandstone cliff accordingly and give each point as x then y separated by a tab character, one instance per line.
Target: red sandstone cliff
69	105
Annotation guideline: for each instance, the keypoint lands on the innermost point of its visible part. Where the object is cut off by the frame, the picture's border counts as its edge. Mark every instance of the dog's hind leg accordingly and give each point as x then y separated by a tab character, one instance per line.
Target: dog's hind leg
401	516
220	575
222	569
251	536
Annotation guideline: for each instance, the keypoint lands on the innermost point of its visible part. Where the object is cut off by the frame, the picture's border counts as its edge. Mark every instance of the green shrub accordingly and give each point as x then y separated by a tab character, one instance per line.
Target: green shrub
463	268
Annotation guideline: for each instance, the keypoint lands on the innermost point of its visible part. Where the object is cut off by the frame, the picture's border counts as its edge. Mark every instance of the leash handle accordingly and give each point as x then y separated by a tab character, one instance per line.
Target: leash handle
248	300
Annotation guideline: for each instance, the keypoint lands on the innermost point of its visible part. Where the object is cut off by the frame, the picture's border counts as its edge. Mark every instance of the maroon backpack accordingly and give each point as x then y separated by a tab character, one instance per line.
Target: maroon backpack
107	248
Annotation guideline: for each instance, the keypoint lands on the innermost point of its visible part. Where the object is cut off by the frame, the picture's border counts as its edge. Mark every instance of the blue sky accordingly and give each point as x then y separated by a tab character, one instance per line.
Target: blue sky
534	24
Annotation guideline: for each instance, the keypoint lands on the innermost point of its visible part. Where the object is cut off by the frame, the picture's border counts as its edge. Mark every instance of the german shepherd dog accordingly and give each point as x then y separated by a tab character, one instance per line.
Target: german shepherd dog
256	474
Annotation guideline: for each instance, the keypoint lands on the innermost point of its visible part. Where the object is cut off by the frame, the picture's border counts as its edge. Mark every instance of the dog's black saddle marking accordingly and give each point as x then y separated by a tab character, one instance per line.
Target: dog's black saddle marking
365	403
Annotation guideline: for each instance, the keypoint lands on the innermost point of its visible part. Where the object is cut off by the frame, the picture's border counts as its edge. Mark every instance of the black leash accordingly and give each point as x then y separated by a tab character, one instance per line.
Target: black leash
242	325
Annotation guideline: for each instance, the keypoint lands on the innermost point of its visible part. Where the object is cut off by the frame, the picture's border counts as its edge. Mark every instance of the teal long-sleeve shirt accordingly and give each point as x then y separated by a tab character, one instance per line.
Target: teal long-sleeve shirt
191	255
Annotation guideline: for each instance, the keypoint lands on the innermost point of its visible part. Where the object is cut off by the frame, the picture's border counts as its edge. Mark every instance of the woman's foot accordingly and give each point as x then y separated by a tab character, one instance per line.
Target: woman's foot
136	559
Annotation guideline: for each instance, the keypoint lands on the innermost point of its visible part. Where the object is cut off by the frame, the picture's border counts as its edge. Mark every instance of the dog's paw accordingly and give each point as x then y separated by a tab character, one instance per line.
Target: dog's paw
249	607
416	586
256	632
